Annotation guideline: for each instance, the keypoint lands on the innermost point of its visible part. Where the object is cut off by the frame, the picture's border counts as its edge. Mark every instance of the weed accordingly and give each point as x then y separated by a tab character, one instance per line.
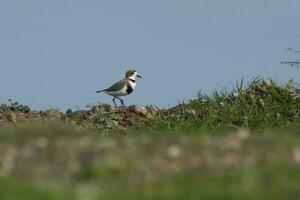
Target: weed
14	106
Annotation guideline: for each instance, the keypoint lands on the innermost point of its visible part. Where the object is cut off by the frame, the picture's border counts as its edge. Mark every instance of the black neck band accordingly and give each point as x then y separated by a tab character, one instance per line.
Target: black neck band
132	80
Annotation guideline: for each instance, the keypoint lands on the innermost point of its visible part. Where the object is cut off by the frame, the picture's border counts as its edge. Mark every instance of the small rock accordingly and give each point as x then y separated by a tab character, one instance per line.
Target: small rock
235	94
174	151
261	102
267	83
115	123
191	112
11	117
140	110
222	104
204	100
296	155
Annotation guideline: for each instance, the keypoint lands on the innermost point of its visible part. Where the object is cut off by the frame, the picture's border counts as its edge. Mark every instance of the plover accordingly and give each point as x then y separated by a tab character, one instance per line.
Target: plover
123	87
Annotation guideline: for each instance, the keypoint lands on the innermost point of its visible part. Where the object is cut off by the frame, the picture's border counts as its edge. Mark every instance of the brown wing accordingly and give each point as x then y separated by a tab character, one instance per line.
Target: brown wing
117	86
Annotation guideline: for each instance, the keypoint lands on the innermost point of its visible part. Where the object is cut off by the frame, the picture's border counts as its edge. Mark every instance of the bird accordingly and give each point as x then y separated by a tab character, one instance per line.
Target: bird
123	87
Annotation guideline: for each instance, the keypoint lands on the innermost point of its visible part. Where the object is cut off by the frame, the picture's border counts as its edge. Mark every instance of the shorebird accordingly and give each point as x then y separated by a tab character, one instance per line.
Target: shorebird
123	87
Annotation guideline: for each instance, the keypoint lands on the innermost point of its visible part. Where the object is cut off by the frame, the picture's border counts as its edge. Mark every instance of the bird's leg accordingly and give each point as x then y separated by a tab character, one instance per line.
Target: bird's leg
121	100
114	101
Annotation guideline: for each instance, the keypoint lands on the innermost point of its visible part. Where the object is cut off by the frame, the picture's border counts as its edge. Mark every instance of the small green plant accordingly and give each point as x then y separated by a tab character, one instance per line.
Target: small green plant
14	106
54	114
102	118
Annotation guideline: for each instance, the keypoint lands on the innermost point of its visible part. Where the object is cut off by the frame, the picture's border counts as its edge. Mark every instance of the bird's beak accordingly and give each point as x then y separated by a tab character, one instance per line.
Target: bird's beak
138	76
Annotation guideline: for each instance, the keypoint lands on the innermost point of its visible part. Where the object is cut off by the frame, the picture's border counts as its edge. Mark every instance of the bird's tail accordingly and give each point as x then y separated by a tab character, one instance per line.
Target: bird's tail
99	91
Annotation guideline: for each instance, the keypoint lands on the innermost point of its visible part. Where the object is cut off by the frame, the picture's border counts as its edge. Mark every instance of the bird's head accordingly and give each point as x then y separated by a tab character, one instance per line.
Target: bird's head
132	74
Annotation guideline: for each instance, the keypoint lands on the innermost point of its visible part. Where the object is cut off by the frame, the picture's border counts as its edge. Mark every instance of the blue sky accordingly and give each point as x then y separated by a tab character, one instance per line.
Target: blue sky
58	53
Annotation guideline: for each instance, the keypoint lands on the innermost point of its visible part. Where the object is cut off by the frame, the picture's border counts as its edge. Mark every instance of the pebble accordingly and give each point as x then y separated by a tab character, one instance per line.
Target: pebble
235	94
191	112
204	100
296	155
267	83
11	117
174	151
261	102
140	110
222	104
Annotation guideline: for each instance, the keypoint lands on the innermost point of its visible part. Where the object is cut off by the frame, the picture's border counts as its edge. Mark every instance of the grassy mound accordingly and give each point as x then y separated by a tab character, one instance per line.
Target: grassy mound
262	104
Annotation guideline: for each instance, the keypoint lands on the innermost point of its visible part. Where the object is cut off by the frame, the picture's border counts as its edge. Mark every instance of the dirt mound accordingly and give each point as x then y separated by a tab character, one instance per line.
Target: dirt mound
101	115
